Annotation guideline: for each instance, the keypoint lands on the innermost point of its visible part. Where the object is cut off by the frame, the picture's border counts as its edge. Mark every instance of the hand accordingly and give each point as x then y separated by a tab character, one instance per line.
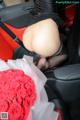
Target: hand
44	64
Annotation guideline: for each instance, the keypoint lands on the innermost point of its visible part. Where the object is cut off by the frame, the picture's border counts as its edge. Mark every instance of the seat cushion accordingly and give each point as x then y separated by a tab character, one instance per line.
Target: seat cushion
66	81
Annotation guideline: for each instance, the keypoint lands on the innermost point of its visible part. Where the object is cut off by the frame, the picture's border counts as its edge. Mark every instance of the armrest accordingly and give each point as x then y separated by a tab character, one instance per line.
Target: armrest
66	81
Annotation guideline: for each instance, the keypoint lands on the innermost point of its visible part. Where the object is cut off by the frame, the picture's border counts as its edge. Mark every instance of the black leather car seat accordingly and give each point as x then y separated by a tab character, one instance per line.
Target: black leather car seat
65	81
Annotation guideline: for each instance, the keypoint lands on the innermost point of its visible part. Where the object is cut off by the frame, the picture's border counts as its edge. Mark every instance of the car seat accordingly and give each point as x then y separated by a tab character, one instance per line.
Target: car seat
65	81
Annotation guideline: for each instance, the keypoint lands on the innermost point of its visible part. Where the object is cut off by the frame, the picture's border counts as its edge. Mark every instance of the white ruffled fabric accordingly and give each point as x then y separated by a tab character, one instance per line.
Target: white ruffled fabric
42	110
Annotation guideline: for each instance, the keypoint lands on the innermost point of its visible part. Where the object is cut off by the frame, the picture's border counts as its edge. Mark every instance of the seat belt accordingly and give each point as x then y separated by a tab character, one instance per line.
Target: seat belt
35	56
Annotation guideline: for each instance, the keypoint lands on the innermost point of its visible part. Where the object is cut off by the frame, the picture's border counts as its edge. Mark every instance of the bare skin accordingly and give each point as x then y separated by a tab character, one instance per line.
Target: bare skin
43	38
52	62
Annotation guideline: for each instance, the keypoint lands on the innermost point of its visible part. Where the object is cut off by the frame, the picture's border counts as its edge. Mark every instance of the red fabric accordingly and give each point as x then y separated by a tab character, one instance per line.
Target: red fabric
17	31
7	44
17	94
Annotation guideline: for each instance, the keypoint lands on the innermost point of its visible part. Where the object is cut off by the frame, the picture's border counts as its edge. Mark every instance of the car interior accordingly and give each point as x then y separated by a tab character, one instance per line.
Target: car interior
63	85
